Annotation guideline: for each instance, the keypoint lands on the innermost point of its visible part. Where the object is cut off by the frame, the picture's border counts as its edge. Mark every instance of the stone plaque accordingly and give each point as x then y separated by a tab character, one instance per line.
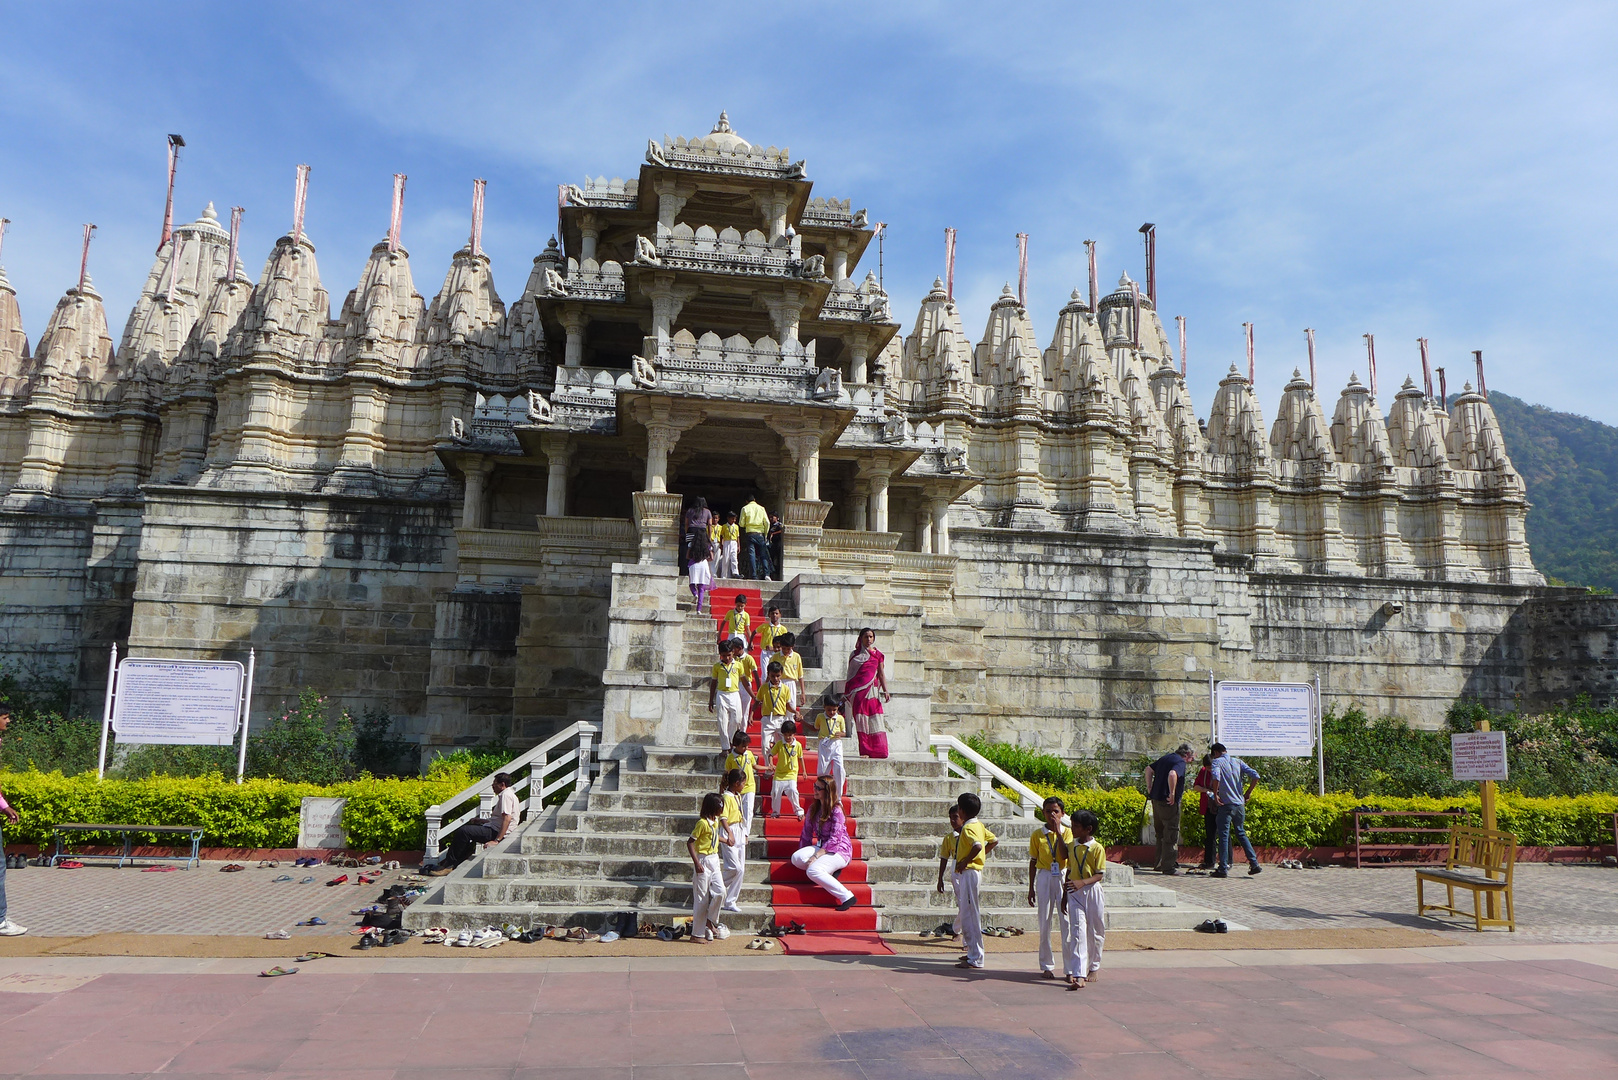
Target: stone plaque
320	823
1478	755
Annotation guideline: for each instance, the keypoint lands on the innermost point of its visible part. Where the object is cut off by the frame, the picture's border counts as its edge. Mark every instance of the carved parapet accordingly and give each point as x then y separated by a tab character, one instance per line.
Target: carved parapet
727	251
868	554
804	521
657	518
557	548
924	580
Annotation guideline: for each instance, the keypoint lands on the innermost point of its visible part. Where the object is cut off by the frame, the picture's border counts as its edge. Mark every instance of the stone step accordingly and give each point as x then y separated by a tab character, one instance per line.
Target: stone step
619	868
658	759
922	787
670	846
932	808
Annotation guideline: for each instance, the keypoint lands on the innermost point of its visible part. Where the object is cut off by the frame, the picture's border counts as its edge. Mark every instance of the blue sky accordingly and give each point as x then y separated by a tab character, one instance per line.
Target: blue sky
1403	169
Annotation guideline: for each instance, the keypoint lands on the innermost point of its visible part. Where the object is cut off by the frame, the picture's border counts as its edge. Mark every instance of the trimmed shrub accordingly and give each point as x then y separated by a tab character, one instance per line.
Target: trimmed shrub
380	814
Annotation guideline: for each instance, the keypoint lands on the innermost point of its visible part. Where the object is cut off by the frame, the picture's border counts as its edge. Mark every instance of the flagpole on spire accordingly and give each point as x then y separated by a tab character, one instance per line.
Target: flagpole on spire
1483	387
1134	290
1022	269
1443	389
949	262
1149	231
1426	369
1370	359
1180	319
1309	333
475	243
84	256
4	221
300	198
881	230
1252	364
397	217
1095	282
175	142
235	239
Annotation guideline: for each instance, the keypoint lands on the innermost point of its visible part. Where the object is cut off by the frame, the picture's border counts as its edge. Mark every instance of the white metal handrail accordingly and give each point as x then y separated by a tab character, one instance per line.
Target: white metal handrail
987	774
568	757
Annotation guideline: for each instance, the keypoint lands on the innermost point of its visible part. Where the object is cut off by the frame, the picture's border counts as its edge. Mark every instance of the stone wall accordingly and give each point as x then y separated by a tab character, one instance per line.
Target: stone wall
44	563
337	594
1565	643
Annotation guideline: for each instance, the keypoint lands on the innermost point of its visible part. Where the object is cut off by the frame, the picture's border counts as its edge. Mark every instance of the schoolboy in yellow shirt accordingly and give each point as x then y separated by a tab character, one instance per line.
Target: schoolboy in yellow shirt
772	628
832	729
1047	864
791	661
1086	906
974	844
742	757
733	853
737	622
725	693
775	705
787	755
707	882
730	535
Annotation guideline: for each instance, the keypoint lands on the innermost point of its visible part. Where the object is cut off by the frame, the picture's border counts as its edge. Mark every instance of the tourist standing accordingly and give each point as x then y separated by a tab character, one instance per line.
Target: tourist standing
946	855
791	662
823	845
1234	781
7	927
1086	903
1047	863
755	526
698	522
1165	787
787	757
777	538
771	629
864	693
832	729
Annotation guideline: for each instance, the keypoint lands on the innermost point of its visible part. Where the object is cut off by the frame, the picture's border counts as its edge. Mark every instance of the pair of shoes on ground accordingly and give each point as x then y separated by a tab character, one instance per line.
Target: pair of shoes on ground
967	965
16	862
231	868
1212	926
309	860
761	944
943	930
774	929
487	938
1002	931
386	938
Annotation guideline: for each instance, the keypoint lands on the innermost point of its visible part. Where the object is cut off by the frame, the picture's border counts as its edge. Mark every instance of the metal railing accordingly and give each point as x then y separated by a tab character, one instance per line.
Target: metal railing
986	773
568	757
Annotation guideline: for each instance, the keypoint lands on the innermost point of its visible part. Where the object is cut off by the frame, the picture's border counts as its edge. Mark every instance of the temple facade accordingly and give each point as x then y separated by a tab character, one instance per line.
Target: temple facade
465	513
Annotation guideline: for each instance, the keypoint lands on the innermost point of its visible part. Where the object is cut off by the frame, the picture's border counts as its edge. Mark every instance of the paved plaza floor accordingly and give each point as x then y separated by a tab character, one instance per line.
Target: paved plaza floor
1478	1012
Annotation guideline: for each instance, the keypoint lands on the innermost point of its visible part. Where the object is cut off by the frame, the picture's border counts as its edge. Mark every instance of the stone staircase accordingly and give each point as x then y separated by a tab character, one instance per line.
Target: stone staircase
621	845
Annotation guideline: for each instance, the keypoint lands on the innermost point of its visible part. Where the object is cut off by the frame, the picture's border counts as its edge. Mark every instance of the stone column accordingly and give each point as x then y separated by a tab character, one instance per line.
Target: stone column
878	472
839	259
589	233
572	316
786	312
660	439
477	469
667	300
805	450
671	199
940	511
924	527
859	352
862	503
558	454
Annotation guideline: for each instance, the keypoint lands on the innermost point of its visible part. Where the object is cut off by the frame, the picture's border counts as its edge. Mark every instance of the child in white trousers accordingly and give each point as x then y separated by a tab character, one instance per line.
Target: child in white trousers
946	854
1086	910
832	729
974	845
707	884
725	693
1047	864
787	754
733	852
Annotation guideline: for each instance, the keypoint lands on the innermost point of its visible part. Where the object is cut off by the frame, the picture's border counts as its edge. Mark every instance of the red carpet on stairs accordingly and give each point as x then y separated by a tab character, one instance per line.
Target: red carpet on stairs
794	899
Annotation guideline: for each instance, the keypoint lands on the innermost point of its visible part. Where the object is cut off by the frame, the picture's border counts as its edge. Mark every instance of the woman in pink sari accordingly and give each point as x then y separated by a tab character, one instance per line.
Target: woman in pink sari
864	693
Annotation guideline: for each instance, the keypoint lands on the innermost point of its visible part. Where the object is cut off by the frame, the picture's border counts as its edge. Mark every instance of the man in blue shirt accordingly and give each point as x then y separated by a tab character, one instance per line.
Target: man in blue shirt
1234	781
1165	789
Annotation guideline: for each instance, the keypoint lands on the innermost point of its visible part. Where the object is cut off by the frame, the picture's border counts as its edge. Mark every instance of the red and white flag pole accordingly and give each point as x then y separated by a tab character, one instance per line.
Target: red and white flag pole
235	241
1180	319
1022	269
84	257
476	242
1483	387
1252	364
1309	333
396	219
1443	390
1134	288
1370	359
1426	369
175	142
300	198
949	263
1095	282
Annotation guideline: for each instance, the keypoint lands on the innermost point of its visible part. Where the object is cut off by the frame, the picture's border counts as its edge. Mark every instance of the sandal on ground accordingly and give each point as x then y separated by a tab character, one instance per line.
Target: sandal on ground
278	880
275	971
313	920
338	880
70	864
231	868
159	869
1047	974
1074	983
308	956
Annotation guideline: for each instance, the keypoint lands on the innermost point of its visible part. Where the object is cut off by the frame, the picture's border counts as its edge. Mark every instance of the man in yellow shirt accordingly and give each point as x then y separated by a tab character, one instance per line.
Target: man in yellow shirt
972	847
755	525
725	693
1086	908
788	757
1047	862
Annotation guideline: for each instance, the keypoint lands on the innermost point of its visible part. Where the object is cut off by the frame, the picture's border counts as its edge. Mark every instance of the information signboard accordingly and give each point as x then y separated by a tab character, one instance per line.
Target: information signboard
1478	755
1265	719
194	702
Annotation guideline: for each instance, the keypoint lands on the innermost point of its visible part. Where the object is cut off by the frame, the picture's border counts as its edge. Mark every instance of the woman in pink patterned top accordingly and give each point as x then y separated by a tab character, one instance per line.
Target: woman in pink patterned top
824	846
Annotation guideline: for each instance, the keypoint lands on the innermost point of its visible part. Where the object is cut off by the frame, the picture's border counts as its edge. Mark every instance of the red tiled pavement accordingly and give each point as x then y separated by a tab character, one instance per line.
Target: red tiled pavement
1164	1016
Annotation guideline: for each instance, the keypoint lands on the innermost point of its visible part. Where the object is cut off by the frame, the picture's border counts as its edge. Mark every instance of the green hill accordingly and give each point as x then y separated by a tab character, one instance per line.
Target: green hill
1570	465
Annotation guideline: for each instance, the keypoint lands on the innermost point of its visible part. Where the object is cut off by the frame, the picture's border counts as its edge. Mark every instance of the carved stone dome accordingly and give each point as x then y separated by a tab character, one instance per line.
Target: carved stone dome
725	139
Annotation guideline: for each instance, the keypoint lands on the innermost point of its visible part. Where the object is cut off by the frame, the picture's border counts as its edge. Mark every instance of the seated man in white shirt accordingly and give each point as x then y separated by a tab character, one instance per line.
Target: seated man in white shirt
489	830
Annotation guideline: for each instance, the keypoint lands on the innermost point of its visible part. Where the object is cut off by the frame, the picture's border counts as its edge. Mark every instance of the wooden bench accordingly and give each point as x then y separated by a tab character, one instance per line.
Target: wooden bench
1367	822
192	832
1490	851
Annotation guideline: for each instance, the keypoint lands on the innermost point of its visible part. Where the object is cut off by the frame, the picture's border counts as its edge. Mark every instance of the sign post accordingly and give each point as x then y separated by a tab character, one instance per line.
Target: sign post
1270	719
175	702
1480	755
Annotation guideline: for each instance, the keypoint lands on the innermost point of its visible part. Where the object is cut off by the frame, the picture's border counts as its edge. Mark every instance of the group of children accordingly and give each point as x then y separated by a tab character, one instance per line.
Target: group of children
1066	864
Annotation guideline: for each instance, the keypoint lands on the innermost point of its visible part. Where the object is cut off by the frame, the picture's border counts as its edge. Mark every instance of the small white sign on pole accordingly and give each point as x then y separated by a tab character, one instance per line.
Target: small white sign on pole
1478	755
178	702
1265	719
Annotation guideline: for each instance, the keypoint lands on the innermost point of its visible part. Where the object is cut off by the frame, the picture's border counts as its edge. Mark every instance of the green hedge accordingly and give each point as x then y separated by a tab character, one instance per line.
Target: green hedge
381	815
1298	819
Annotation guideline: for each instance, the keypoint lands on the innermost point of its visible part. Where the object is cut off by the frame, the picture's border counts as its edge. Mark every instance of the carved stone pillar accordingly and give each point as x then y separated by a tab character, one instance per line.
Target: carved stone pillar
667	300
660	439
572	316
782	487
589	233
477	469
657	517
877	515
805	450
671	199
940	509
859	352
839	259
924	527
862	503
558	454
772	207
800	544
786	311
126	470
